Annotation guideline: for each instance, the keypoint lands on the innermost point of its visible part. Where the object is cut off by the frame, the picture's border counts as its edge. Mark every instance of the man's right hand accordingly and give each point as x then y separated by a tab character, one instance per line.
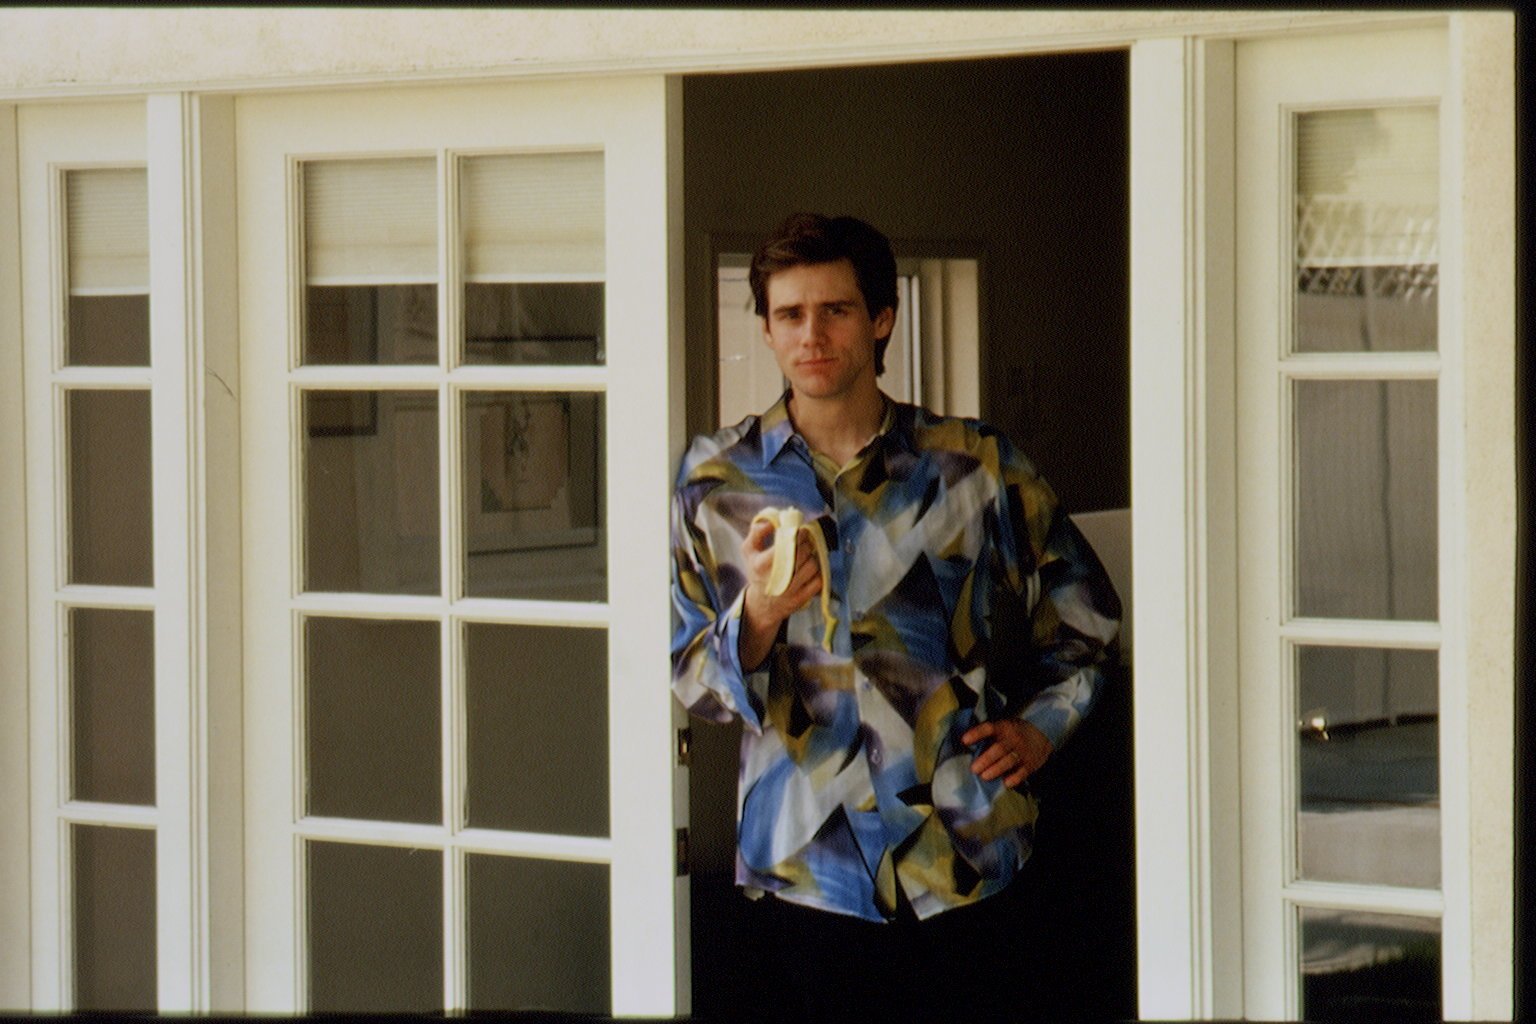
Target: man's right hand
762	613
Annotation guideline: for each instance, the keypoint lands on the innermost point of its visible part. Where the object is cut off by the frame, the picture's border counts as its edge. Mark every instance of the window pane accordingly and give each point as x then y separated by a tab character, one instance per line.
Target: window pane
111	531
372	715
1366	496
1369	766
375	929
533	496
107	214
370	242
112	705
115	939
532	215
1358	966
370	492
538	935
556	324
538	728
363	323
108	330
1367	230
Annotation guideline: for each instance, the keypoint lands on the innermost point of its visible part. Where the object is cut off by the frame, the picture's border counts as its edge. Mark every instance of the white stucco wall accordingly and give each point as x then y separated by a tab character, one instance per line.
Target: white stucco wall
47	51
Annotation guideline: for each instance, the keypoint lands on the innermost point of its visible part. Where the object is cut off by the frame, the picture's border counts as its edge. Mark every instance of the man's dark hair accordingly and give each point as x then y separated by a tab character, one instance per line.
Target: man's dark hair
810	238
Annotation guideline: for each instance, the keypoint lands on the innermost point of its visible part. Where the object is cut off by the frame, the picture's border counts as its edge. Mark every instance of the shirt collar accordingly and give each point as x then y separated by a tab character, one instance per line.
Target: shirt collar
778	429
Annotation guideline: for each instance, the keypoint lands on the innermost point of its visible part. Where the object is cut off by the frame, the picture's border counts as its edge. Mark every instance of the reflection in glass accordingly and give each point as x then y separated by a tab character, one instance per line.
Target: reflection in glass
366	323
375	929
111	533
112	705
1359	966
108	330
1367	230
1366	499
1369	766
114	925
533	495
538	935
372	719
535	695
370	492
553	324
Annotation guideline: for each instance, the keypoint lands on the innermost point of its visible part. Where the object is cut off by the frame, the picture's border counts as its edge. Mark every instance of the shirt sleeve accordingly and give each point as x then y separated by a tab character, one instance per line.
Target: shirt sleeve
1072	608
706	628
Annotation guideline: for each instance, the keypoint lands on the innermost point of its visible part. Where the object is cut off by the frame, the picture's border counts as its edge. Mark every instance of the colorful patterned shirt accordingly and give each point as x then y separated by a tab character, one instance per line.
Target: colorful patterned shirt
853	777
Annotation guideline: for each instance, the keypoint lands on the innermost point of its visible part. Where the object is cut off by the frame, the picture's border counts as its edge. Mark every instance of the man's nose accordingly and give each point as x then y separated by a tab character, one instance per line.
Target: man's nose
815	327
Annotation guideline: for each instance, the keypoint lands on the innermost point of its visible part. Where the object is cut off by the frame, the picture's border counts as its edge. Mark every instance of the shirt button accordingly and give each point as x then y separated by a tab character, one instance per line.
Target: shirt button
874	757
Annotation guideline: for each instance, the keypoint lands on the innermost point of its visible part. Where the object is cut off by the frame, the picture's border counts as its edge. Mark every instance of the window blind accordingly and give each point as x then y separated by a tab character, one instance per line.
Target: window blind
107	230
1367	184
532	216
370	221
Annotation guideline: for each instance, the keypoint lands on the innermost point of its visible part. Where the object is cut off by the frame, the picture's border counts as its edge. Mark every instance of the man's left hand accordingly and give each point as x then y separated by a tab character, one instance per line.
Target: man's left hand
1017	750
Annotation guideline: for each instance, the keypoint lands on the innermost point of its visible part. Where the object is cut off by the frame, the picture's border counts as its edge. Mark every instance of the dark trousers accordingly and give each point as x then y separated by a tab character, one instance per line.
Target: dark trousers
973	964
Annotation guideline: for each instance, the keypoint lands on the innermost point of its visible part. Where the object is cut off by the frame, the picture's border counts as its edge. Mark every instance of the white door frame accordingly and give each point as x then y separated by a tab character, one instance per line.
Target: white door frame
1183	417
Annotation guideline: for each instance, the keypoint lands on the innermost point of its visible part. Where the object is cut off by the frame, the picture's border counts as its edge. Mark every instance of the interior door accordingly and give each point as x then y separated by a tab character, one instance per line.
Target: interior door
459	370
1342	507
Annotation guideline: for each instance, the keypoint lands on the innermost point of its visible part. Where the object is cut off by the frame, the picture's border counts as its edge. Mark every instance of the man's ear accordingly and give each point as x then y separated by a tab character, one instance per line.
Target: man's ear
885	322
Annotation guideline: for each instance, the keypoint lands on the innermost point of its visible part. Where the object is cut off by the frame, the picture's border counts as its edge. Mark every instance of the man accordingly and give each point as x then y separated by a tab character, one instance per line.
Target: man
883	800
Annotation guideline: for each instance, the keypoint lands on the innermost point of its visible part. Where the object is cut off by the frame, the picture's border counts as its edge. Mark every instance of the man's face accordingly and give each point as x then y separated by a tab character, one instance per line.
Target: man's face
820	330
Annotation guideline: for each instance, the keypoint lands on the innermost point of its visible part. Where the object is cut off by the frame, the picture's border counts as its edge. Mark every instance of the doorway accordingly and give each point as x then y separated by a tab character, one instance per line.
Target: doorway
1021	164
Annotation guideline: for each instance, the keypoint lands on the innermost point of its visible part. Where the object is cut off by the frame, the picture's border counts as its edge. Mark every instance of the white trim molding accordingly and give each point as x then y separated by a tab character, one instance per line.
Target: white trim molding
1182	484
15	861
1478	392
55	54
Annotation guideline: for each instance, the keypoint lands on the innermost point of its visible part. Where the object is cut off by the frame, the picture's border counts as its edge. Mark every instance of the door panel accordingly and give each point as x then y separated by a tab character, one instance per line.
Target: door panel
455	329
1340	513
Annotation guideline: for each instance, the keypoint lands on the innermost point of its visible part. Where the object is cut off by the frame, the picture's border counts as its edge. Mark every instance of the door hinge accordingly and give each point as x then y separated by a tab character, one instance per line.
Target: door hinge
684	742
682	853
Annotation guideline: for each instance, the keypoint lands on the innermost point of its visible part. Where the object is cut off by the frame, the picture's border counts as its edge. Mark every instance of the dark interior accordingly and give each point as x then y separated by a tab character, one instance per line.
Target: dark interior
1024	164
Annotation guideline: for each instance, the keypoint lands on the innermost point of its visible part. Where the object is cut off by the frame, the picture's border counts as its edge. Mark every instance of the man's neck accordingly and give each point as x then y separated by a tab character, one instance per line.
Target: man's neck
838	427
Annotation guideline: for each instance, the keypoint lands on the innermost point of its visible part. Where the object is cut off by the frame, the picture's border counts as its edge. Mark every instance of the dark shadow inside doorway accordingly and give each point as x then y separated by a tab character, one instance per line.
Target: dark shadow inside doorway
1023	161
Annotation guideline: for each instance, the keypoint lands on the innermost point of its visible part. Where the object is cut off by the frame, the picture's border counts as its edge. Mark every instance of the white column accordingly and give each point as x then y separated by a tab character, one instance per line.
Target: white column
15	834
645	433
196	529
1478	397
1182	487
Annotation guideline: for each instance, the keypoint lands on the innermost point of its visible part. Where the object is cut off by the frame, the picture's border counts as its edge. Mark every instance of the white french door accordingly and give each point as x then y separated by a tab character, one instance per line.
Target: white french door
461	412
1351	733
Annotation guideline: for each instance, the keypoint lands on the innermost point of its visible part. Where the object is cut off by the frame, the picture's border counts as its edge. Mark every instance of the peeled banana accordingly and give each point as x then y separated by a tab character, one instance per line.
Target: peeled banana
787	524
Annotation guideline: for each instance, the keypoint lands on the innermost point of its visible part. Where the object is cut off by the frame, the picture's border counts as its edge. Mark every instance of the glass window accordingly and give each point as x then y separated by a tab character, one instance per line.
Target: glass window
1369	766
373	714
114	925
370	246
370	492
112	705
107	212
538	935
533	495
1359	966
535	694
533	258
375	929
1366	519
1367	230
111	536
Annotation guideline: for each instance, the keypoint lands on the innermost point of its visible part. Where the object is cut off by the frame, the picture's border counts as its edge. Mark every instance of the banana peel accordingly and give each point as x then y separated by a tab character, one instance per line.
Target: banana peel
787	524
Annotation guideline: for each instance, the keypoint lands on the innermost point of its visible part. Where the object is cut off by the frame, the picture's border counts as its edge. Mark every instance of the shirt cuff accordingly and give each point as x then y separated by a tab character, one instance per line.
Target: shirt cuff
741	685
